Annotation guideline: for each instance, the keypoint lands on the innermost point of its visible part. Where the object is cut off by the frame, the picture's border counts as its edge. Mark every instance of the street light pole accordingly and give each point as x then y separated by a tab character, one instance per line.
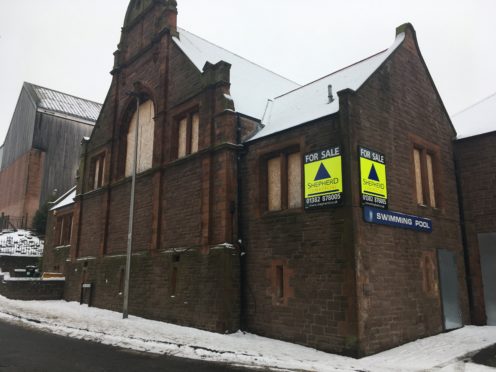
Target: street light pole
127	273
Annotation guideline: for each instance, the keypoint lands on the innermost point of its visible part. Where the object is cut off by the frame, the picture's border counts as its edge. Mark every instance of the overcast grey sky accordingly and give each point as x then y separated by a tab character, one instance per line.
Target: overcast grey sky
67	45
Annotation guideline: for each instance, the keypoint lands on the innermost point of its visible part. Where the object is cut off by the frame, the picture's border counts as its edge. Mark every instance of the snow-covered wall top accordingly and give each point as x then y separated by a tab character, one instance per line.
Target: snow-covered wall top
311	101
20	243
251	84
477	119
65	200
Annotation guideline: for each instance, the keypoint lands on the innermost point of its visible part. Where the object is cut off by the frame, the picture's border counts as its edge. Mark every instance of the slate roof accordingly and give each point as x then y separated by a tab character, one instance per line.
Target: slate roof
251	84
58	102
477	119
253	88
312	101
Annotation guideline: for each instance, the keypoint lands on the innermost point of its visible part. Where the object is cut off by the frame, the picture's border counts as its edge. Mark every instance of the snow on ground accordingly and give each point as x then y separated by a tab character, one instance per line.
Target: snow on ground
444	353
20	243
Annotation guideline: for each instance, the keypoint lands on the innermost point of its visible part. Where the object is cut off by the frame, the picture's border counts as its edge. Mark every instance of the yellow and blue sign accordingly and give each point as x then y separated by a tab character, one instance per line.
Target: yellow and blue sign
373	178
323	178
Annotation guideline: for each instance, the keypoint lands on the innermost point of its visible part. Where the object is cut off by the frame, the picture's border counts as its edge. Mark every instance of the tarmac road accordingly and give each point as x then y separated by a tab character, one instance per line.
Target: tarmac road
25	349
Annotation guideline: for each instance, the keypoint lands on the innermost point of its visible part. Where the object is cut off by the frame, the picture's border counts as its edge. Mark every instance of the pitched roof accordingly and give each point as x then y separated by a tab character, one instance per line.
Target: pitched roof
58	102
477	119
64	200
251	84
312	101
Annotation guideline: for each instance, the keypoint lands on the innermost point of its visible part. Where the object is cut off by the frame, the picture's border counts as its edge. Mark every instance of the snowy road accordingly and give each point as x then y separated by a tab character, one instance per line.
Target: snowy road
449	352
24	349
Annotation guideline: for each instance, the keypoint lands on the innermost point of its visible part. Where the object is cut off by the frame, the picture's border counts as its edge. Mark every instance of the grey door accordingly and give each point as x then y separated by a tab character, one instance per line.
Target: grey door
448	278
487	249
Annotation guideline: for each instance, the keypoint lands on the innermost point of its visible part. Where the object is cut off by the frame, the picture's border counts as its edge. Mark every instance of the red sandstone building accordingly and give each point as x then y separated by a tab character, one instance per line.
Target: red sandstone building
40	155
324	214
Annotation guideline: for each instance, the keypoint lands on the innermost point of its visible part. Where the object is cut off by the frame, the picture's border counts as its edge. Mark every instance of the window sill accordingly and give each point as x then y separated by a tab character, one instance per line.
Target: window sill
283	212
62	246
436	211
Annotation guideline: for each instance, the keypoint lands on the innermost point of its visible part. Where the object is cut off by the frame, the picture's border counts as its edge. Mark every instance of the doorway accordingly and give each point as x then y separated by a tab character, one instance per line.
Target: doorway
448	278
487	251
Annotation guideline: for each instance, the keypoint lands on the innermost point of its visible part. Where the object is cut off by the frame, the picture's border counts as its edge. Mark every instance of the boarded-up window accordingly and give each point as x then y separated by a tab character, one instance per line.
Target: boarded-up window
425	183
97	172
294	180
146	132
430	181
188	134
64	229
183	130
284	181
274	184
418	176
195	128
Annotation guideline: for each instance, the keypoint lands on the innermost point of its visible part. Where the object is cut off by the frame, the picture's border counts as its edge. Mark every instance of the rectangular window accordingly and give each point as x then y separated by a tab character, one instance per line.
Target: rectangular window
279	281
425	184
284	182
294	180
183	129
430	180
173	284
97	171
64	229
274	184
188	135
418	177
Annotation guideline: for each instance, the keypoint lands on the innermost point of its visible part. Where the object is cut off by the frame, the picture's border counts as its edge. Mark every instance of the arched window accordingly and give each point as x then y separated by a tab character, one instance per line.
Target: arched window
146	132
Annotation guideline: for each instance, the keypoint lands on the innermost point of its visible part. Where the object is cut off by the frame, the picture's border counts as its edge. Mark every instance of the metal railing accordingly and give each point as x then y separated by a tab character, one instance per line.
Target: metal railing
12	222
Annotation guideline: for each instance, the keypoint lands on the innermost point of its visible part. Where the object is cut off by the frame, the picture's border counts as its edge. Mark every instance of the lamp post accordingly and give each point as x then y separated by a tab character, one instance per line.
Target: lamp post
127	272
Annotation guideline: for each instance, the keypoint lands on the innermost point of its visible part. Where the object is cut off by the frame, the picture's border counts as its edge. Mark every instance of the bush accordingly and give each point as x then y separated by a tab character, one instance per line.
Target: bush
40	219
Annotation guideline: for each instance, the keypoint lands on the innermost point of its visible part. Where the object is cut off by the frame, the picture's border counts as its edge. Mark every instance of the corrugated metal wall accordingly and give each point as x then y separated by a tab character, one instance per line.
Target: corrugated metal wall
20	135
60	138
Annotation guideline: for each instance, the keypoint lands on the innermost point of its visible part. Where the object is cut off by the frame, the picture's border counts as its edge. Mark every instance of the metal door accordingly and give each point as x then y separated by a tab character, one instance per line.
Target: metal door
448	278
487	249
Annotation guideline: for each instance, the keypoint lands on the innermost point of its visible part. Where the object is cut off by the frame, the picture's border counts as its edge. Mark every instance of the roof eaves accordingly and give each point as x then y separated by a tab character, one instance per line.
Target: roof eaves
61	198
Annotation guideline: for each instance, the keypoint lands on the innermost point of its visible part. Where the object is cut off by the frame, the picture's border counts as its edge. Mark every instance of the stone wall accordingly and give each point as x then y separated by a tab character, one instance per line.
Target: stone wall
9	263
32	289
396	110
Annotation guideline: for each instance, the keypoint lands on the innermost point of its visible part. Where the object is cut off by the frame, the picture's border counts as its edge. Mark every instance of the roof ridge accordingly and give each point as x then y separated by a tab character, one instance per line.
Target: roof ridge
333	73
65	94
474	104
64	195
237	55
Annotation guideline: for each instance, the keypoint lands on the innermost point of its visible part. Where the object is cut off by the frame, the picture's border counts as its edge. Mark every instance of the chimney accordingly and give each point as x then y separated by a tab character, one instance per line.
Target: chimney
170	14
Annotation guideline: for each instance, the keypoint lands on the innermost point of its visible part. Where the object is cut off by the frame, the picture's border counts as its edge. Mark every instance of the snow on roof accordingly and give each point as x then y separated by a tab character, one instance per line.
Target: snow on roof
251	84
311	101
65	200
52	100
477	119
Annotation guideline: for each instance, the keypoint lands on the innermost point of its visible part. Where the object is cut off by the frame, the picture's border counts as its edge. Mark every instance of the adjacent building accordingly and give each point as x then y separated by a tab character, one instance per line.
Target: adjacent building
40	155
475	151
326	214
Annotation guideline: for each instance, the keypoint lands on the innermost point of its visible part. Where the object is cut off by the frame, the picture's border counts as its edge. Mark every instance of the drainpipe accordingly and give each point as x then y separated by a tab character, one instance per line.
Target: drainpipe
466	255
242	265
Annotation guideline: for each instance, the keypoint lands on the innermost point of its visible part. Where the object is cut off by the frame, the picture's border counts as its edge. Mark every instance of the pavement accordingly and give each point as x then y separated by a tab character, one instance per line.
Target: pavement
25	349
